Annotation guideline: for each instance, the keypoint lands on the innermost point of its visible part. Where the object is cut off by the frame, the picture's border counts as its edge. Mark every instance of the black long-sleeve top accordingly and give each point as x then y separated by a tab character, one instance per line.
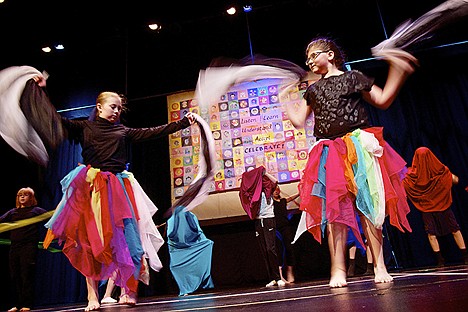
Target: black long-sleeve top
105	144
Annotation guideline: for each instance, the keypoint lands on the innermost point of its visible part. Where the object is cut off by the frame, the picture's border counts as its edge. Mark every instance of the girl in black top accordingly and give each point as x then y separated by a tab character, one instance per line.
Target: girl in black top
23	249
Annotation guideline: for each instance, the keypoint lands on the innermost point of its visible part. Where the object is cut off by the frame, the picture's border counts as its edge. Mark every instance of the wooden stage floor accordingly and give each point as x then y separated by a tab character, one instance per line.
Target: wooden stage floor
432	289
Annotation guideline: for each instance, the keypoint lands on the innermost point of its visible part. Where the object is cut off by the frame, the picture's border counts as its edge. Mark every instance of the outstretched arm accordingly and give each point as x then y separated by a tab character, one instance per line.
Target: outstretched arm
401	66
292	197
271	177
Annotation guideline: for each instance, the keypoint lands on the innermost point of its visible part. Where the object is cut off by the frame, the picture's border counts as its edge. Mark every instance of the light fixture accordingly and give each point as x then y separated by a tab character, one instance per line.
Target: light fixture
59	47
46	49
247	8
231	11
155	26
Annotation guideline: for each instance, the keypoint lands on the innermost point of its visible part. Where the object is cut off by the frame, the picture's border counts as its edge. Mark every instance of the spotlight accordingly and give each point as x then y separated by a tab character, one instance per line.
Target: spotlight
231	11
155	26
46	49
59	47
247	8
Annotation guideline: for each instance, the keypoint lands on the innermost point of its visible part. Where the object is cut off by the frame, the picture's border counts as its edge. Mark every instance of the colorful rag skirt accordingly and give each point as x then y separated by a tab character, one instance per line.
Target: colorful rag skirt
357	172
104	222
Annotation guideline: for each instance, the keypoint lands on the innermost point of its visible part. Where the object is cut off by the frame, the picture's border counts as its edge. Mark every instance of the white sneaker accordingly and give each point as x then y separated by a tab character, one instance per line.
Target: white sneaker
281	283
108	300
271	284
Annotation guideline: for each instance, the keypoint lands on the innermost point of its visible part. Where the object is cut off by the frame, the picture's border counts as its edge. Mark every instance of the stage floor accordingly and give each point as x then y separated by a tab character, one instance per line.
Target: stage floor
441	289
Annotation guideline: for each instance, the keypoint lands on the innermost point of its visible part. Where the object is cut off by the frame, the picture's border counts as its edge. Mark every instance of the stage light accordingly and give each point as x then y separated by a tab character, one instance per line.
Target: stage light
155	26
231	11
247	8
46	49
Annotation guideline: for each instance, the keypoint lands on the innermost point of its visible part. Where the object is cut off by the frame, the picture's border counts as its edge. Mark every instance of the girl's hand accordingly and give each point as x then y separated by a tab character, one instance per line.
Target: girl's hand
399	59
191	118
40	80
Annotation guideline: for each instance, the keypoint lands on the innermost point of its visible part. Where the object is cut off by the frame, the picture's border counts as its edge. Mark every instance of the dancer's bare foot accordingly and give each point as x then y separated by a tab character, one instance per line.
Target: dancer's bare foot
338	279
127	299
93	306
382	276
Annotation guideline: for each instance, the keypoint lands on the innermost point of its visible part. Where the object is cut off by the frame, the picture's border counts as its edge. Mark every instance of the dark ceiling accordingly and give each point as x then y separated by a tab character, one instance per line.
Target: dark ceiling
108	45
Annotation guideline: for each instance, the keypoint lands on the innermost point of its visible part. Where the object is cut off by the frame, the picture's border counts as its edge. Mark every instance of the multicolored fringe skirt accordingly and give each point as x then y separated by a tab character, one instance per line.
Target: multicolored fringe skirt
104	222
357	172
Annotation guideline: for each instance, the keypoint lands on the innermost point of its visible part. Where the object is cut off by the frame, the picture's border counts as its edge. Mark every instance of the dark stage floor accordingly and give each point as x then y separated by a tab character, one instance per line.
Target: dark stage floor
442	289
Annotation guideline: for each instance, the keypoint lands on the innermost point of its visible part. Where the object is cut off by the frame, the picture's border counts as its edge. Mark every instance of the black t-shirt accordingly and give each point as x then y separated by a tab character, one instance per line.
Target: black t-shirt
338	104
281	212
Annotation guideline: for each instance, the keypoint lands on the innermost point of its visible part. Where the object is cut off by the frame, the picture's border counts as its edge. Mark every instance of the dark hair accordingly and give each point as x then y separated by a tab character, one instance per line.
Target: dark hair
328	44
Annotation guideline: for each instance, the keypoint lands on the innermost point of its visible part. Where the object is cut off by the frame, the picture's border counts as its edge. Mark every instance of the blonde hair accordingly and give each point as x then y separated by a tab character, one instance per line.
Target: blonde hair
106	95
32	198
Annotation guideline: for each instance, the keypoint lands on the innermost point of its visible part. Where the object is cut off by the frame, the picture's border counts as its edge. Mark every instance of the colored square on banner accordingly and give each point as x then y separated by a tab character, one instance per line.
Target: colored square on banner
254	111
229	173
283	165
175	115
184	105
186	132
263	100
262	91
252	92
234	114
220	185
232	95
178	192
188	179
195	140
244	112
230	183
174	107
179	181
225	125
187	141
233	105
302	154
243	103
272	89
242	94
274	99
223	106
284	176
253	102
178	172
188	161
175	143
224	116
295	175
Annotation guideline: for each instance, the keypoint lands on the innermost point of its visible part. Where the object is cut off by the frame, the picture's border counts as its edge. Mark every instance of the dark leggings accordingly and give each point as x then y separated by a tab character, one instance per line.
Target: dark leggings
266	235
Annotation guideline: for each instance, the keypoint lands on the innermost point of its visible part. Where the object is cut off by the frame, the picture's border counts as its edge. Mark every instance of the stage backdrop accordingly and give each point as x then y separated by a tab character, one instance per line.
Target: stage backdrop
251	128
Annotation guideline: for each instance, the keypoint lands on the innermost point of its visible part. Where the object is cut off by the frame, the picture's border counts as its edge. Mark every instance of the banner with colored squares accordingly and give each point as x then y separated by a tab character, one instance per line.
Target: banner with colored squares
250	127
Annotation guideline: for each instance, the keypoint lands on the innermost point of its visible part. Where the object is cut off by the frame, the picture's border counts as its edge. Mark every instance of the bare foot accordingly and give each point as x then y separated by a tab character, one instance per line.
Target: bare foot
92	306
127	299
382	276
338	279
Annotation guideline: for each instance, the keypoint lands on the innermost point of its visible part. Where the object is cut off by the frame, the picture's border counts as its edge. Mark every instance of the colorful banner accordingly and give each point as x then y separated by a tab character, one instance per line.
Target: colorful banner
250	127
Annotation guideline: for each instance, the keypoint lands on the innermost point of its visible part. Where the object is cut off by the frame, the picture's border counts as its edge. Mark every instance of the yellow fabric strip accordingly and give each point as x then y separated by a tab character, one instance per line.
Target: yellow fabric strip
8	226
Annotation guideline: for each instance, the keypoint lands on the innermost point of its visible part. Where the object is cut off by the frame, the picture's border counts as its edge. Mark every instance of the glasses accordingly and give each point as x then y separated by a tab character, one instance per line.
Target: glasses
313	56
